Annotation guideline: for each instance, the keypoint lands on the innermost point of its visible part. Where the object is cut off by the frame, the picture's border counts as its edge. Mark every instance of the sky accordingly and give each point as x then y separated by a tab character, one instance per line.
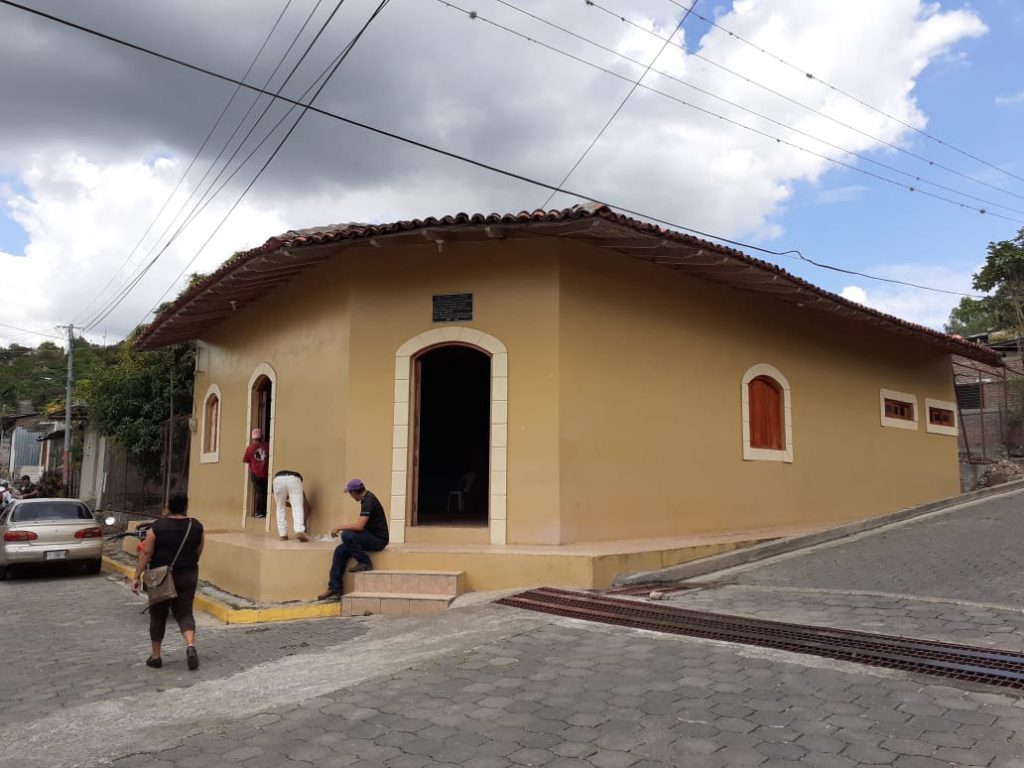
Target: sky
117	180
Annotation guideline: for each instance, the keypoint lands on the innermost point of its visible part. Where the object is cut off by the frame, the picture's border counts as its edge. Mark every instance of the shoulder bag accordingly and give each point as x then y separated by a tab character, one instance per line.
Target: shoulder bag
159	582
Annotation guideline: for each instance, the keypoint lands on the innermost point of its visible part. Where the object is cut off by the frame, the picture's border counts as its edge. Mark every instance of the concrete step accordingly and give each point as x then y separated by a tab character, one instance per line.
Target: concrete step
394	603
450	583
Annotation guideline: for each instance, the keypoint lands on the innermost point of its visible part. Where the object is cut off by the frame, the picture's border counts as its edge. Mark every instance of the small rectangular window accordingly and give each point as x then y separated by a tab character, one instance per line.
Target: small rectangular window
898	409
942	417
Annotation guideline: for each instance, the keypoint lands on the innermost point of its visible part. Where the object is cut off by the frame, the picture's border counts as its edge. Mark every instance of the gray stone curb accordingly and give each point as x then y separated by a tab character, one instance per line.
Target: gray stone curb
757	552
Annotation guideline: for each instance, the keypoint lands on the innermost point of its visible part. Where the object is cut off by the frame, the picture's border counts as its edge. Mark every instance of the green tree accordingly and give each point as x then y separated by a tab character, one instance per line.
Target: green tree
129	399
986	315
1003	274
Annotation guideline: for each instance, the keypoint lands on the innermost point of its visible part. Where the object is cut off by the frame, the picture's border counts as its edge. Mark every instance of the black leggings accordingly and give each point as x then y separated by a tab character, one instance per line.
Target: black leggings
181	606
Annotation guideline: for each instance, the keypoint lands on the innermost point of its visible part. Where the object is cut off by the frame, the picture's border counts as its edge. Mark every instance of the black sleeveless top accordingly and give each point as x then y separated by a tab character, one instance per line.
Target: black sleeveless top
169	533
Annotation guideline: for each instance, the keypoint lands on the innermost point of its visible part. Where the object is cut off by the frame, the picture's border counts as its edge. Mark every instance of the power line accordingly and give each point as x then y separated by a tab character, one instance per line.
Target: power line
792	253
475	16
622	103
810	76
129	284
206	198
326	79
860	155
796	102
32	333
187	170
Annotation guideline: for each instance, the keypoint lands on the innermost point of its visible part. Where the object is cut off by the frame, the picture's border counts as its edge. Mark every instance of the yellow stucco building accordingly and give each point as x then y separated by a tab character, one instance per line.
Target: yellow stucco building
548	398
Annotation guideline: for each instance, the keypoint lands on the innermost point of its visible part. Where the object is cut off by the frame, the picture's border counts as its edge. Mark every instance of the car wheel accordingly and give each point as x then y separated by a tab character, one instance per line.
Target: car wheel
93	566
3	572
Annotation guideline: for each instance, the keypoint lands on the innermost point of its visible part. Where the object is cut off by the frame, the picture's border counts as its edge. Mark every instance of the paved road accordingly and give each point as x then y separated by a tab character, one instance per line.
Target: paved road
492	687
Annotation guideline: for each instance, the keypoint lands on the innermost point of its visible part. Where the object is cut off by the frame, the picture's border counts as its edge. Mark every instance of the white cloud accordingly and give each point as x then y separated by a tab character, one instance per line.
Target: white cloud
928	308
855	293
82	220
1016	98
845	194
90	193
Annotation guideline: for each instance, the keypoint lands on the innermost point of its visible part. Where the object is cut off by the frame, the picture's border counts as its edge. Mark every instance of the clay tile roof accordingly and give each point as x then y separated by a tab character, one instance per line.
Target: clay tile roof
248	275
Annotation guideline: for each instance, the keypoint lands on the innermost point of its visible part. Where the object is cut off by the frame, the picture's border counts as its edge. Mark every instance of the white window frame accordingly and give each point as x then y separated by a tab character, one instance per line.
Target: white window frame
939	429
906	397
767	454
211	457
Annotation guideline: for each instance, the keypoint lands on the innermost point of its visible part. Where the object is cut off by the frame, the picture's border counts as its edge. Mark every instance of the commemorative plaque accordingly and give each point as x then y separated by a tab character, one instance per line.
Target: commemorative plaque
453	307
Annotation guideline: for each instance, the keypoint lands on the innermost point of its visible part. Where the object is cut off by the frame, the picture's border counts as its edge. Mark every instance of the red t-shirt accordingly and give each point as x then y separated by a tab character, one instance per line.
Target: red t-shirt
257	456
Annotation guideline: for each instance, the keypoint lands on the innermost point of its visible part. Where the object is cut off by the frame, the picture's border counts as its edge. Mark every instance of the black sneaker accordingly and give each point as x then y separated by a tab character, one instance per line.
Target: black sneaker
360	567
191	657
154	663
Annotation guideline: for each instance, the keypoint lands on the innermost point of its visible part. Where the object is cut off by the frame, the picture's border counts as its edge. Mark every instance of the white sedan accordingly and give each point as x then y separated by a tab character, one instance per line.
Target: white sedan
49	531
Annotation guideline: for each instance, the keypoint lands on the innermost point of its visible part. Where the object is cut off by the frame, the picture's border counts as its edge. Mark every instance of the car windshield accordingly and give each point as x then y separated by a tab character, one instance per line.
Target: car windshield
50	510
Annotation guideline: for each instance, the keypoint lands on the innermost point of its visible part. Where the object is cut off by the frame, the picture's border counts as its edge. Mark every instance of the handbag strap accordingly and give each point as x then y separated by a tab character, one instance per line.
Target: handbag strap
182	545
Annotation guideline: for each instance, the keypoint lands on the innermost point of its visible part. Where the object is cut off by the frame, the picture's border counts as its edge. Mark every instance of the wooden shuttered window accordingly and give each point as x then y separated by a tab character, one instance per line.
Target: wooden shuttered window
897	409
766	414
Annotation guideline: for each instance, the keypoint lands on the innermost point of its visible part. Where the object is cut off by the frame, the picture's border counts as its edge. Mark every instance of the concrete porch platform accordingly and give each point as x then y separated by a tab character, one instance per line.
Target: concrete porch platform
265	569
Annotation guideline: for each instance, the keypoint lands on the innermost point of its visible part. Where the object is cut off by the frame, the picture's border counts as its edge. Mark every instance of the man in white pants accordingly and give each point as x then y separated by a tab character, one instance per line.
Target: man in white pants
288	487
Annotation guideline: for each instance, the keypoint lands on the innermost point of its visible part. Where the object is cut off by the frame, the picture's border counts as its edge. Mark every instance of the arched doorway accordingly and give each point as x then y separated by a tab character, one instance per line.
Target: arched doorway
451	436
260	409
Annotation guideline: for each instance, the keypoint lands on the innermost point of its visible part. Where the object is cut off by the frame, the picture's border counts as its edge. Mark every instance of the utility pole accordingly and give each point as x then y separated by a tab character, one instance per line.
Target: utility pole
67	411
170	440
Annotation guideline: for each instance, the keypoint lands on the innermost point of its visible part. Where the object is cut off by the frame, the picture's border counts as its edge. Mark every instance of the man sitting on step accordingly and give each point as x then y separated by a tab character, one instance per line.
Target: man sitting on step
368	534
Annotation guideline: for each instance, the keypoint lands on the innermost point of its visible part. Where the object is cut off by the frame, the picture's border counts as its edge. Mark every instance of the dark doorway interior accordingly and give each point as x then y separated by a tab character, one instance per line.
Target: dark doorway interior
261	398
453	436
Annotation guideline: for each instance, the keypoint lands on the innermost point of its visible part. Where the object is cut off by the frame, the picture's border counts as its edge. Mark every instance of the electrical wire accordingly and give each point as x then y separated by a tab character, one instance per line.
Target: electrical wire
31	333
129	284
793	253
854	153
340	59
810	76
618	109
207	198
195	158
475	16
891	145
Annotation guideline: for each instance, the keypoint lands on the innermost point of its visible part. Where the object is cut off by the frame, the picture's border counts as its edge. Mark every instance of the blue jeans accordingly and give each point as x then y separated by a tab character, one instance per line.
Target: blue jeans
353	544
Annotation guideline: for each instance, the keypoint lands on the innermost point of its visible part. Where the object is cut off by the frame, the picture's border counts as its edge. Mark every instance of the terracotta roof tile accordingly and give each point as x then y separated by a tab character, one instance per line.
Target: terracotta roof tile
230	287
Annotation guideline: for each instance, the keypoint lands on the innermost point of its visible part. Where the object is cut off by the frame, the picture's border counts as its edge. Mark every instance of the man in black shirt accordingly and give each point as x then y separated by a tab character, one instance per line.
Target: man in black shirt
368	534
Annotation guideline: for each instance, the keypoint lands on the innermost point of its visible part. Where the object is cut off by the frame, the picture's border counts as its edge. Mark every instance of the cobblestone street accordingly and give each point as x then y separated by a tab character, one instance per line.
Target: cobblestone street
488	686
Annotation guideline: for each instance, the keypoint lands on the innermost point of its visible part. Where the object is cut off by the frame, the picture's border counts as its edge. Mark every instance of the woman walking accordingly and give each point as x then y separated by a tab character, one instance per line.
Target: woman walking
175	533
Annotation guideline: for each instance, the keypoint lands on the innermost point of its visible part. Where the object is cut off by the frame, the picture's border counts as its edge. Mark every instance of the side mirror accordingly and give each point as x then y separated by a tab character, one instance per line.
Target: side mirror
109	520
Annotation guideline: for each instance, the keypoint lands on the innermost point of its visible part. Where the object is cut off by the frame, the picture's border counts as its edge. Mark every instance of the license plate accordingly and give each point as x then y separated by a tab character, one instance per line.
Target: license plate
57	554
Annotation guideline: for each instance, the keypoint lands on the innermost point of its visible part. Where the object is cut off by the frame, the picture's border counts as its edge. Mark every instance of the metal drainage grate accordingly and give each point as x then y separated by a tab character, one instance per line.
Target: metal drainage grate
959	662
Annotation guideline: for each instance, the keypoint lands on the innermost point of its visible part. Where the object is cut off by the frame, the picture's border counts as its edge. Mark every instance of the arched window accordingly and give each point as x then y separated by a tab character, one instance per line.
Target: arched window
211	426
767	415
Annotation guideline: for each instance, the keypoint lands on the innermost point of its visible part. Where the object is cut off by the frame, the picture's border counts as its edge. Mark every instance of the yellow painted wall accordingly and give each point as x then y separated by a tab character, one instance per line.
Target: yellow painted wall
650	386
331	336
624	413
310	361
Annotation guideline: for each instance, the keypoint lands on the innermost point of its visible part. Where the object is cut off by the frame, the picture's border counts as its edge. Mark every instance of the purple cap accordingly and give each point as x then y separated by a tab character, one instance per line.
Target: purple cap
354	485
